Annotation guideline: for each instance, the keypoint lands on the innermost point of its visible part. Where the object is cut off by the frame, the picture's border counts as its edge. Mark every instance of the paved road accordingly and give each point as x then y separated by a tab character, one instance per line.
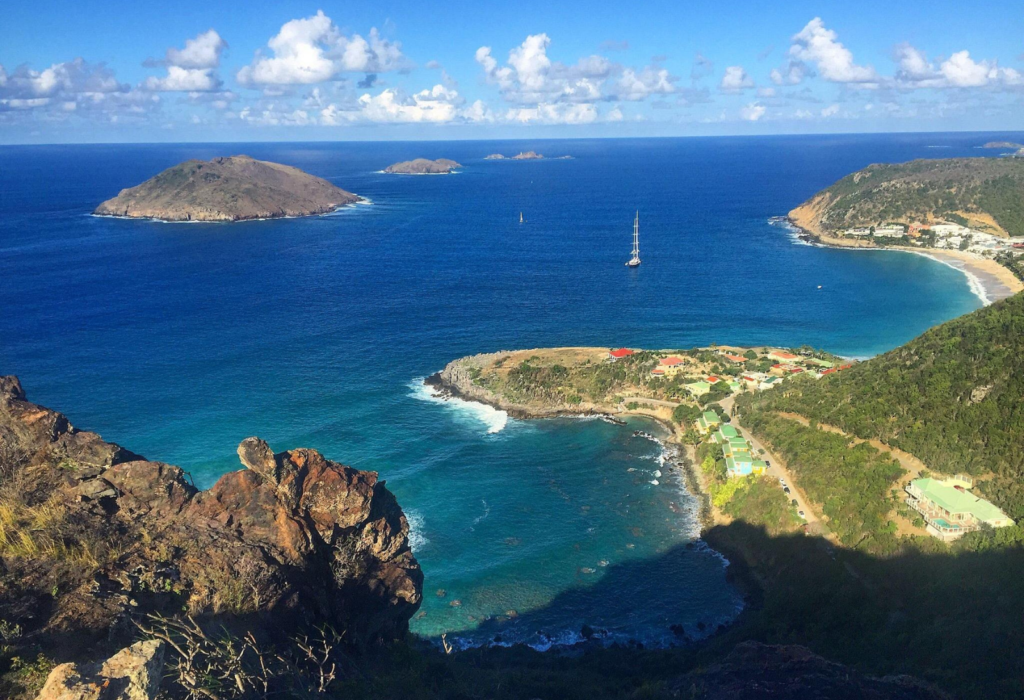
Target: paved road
777	469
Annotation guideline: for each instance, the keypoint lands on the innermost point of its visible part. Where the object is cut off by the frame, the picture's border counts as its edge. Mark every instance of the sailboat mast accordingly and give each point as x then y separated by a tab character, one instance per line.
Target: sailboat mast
636	235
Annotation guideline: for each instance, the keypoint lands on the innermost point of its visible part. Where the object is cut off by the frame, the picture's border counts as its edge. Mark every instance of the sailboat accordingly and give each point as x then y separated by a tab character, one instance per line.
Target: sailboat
520	217
635	260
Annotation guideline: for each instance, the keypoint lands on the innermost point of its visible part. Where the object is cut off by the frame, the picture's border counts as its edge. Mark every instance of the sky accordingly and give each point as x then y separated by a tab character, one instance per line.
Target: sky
84	71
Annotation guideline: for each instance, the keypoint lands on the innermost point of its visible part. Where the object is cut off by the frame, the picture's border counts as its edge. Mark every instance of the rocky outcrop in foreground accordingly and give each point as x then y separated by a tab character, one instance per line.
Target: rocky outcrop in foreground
753	671
133	673
227	189
422	166
96	537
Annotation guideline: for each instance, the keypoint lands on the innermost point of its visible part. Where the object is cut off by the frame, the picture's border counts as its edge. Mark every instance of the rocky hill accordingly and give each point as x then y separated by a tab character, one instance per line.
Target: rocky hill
985	193
227	189
94	538
423	166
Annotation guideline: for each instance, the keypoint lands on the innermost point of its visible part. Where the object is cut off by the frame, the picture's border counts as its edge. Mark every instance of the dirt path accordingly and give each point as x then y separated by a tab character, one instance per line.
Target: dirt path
909	462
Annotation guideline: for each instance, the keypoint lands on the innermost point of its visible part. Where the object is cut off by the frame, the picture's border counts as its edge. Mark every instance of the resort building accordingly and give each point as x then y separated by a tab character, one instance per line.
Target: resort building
782	355
619	353
707	422
950	510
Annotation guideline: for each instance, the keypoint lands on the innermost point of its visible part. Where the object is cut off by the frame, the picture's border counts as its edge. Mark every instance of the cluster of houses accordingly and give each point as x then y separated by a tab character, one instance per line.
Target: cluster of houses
738	453
950	510
786	364
947	236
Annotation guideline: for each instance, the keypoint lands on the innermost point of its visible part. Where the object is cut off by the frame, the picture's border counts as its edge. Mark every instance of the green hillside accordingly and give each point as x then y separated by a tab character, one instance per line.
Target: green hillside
952	397
927	190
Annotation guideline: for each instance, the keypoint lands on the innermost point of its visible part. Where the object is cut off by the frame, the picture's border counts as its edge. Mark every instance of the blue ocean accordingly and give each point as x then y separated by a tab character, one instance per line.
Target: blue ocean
180	340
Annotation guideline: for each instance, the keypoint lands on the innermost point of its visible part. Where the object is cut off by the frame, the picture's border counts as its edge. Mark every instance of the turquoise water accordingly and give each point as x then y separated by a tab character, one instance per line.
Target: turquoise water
178	341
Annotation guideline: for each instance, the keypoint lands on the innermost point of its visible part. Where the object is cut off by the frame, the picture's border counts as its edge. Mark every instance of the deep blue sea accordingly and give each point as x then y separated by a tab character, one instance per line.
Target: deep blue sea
180	340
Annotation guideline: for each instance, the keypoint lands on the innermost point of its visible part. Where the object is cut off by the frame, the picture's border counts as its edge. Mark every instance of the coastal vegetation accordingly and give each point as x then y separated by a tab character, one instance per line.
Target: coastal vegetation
984	193
951	397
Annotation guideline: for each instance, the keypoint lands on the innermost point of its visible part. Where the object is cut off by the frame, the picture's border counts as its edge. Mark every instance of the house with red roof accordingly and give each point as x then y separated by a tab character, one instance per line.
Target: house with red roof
619	353
782	355
735	358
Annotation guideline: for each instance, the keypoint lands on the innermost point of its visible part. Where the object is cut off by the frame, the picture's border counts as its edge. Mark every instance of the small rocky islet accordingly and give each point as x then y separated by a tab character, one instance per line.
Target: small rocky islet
234	188
423	166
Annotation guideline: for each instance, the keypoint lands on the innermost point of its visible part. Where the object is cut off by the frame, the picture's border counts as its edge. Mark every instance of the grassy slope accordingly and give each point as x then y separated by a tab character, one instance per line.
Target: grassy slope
924	190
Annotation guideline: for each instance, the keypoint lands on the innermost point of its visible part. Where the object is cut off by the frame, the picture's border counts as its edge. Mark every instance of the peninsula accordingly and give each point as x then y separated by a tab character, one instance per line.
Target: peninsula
235	188
859	496
963	211
423	166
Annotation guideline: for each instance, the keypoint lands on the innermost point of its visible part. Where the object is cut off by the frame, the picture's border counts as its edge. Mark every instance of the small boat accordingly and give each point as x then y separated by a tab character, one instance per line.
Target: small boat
635	260
520	217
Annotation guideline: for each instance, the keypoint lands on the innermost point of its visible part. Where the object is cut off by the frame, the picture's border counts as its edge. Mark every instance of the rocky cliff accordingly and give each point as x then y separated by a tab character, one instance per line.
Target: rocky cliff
94	537
984	193
227	189
422	166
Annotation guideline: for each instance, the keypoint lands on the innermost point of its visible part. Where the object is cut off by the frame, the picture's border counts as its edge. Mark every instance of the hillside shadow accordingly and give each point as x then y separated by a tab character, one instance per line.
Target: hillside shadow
952	619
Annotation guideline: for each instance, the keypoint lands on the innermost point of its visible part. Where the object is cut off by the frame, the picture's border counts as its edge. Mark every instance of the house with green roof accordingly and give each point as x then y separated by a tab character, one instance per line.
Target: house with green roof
950	510
707	422
725	433
825	364
698	388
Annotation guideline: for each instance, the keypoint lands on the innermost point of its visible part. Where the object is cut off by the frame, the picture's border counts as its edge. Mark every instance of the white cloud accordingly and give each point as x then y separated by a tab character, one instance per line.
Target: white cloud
735	80
635	86
792	73
313	49
957	71
753	111
702	67
819	45
201	52
766	92
554	114
830	111
191	69
530	77
437	105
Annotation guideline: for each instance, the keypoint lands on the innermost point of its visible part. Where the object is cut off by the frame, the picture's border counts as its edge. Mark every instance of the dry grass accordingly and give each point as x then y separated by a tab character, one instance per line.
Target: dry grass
44	531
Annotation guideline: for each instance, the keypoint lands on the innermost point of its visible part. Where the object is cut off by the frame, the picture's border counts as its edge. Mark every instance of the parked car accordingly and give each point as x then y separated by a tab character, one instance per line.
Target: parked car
801	514
785	490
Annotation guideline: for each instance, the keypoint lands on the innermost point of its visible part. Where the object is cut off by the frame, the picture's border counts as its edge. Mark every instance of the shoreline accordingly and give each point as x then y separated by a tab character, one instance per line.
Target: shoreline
158	220
678	457
987	279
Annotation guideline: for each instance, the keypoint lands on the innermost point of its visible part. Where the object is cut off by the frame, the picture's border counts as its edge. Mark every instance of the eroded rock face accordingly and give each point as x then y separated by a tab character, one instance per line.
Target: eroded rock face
292	538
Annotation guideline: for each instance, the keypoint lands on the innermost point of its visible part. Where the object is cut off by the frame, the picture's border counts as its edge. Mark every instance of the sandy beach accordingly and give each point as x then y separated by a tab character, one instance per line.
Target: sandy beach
996	281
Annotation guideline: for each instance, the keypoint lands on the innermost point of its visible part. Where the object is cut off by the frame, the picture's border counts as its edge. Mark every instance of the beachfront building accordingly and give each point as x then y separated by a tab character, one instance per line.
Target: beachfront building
619	353
950	510
782	356
893	231
707	422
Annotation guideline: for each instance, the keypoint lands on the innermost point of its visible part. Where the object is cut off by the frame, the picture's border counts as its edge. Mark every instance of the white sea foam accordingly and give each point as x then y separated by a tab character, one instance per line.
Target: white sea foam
792	231
975	284
493	419
483	516
417	540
